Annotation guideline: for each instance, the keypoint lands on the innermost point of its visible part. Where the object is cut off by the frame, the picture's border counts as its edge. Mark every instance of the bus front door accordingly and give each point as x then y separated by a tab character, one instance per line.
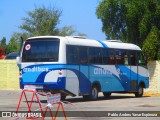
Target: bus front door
134	77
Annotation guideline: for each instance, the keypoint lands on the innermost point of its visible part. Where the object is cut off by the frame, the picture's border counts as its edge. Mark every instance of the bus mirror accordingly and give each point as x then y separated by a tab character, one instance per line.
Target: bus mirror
18	60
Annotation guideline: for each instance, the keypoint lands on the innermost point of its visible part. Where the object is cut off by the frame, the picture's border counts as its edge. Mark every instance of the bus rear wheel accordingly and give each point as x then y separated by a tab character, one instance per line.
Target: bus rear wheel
93	94
139	93
107	94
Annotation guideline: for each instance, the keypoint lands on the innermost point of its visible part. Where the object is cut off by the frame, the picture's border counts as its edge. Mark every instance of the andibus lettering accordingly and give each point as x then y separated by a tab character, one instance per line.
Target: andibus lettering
101	71
35	69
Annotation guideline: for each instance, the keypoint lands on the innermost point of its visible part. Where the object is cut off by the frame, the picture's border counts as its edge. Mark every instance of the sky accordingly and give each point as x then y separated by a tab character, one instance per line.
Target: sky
80	14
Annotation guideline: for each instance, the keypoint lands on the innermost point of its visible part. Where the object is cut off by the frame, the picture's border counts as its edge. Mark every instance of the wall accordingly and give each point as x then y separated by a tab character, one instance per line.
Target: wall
9	76
154	72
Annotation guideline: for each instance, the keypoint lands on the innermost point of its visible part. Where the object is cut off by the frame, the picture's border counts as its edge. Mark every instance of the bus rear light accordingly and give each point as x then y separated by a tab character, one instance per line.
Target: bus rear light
20	74
60	72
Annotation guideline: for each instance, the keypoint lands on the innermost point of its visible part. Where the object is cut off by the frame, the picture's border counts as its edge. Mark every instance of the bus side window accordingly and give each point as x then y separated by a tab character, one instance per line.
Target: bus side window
133	60
98	53
111	57
95	55
91	55
125	58
83	55
141	59
72	54
119	57
105	55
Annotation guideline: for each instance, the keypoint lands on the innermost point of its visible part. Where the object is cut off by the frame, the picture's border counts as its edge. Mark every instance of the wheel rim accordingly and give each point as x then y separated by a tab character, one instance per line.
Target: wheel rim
140	91
94	93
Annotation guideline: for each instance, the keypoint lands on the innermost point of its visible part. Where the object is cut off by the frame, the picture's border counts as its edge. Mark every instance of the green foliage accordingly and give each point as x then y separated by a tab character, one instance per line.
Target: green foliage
121	19
111	13
41	21
3	43
44	21
18	36
151	46
66	31
135	12
158	55
13	45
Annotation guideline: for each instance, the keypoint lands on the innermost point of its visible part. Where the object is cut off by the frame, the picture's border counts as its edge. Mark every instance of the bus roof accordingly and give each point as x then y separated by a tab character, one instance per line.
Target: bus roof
90	42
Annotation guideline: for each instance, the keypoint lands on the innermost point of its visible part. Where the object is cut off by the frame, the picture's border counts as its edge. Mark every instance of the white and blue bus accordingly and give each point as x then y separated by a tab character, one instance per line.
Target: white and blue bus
78	66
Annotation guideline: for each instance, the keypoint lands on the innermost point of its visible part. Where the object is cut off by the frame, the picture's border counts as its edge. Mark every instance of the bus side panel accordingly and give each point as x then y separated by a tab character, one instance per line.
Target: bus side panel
109	78
143	76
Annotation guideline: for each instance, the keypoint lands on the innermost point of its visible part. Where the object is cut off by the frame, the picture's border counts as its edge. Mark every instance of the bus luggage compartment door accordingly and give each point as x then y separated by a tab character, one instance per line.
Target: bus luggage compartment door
72	79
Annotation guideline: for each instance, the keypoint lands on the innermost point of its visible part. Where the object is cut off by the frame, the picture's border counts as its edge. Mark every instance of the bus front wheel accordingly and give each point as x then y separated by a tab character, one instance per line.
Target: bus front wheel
139	93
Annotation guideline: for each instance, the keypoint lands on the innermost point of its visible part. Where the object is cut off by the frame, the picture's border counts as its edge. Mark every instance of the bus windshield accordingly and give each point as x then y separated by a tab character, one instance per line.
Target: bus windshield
41	50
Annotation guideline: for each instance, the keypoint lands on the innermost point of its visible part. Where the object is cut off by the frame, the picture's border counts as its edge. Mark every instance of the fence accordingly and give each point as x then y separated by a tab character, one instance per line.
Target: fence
9	76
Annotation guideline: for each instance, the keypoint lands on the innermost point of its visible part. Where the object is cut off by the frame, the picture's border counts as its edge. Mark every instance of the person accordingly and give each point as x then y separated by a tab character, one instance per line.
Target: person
125	59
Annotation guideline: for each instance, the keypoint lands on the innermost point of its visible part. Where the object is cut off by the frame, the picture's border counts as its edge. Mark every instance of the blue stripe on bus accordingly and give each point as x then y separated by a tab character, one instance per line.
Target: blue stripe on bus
102	43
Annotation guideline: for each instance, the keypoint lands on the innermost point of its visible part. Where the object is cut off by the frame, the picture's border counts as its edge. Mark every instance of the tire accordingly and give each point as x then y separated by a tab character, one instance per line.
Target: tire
107	94
139	93
94	93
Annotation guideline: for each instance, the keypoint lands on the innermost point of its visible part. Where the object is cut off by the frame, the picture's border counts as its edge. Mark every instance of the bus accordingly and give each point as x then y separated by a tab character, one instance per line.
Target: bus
76	66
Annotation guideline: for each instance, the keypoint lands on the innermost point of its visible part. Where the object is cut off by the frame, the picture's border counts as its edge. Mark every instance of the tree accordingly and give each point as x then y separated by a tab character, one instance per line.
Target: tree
44	21
14	43
18	36
113	16
129	20
3	43
152	44
66	31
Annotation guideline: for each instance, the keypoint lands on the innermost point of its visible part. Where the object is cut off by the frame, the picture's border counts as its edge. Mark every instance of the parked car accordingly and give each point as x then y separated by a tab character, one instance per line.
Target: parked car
12	55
